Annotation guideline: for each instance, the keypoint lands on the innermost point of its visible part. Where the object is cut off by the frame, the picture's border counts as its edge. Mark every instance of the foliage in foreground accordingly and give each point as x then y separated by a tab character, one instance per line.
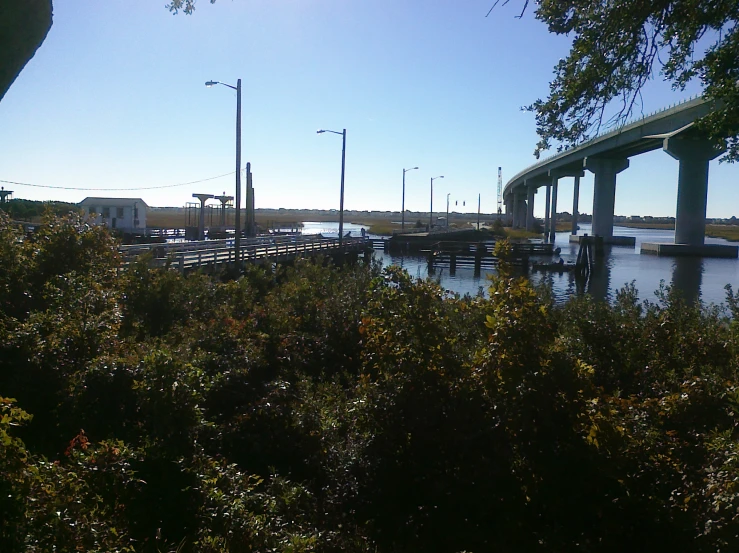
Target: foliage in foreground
313	408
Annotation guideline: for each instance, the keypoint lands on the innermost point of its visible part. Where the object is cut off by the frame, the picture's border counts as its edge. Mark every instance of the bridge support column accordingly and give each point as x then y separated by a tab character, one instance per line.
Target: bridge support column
522	210
575	202
546	211
519	209
604	192
530	208
555	175
515	210
553	217
692	187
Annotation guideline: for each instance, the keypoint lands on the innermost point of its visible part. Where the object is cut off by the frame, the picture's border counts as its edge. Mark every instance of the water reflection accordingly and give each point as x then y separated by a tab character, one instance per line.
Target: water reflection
599	281
687	276
697	278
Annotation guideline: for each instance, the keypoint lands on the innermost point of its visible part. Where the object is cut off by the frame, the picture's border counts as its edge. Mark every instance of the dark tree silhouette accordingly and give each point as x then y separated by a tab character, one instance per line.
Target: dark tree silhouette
24	25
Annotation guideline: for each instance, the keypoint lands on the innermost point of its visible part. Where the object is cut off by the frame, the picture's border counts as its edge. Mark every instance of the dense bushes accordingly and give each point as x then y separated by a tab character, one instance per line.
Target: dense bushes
314	408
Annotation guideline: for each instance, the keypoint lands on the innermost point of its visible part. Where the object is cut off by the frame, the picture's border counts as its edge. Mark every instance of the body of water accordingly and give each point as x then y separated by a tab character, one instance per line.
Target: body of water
696	277
331	230
703	278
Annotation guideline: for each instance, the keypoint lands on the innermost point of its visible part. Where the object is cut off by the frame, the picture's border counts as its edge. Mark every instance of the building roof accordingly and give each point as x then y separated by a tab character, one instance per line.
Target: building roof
111	202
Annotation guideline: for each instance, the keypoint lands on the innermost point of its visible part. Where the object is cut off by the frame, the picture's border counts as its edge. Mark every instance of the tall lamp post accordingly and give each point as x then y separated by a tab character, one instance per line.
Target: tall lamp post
431	210
343	164
237	218
402	220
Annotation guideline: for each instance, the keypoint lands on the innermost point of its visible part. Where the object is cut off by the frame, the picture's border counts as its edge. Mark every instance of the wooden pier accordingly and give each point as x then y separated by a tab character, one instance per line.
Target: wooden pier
186	256
480	255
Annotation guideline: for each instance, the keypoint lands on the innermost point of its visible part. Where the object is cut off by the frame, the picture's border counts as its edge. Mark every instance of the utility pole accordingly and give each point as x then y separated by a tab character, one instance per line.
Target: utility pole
237	217
500	190
343	166
250	226
341	200
402	208
431	208
478	212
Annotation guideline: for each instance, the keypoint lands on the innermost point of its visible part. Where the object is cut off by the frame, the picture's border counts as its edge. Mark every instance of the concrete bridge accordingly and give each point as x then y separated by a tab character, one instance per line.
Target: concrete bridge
606	156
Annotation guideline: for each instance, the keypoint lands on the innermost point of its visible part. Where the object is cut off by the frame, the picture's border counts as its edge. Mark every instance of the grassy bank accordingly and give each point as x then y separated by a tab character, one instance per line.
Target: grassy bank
663	226
375	223
519	234
380	228
727	232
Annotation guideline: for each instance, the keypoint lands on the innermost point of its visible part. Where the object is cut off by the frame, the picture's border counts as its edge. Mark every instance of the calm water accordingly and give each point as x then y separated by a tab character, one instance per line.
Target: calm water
696	277
331	230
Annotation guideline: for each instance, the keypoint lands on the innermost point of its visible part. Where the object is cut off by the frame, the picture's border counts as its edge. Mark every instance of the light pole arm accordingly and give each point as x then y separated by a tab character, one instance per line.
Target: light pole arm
211	83
335	132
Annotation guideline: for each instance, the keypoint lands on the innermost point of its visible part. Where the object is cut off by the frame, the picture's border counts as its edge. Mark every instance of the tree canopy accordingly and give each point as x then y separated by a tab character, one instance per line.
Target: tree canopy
186	6
618	45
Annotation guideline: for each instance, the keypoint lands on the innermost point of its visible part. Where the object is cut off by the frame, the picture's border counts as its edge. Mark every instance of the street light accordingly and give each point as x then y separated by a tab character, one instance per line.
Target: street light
237	219
341	200
402	224
431	211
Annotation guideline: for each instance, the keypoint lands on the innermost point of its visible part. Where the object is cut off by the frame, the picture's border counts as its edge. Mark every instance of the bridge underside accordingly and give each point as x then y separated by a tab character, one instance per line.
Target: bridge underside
673	131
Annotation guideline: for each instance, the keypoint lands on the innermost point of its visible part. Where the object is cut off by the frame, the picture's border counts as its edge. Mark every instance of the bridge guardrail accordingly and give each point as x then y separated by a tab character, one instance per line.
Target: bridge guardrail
603	135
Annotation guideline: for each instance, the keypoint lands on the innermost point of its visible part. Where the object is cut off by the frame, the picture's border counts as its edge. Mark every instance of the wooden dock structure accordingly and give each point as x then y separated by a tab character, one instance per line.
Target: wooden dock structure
210	254
480	254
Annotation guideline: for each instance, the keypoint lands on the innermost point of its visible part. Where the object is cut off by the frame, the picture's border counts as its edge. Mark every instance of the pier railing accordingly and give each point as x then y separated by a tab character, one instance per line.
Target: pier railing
210	253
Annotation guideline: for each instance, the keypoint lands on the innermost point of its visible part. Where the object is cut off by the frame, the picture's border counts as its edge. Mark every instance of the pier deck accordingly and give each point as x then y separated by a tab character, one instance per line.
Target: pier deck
187	256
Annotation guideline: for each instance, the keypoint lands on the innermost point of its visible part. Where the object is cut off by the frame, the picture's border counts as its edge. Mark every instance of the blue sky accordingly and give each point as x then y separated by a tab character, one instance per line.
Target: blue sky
115	98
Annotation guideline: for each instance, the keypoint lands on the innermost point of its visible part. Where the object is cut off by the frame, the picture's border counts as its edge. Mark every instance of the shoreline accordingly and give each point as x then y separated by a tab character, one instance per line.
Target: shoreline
730	233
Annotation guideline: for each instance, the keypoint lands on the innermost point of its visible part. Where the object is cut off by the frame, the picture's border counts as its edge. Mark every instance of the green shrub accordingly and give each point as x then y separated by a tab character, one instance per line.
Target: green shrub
322	408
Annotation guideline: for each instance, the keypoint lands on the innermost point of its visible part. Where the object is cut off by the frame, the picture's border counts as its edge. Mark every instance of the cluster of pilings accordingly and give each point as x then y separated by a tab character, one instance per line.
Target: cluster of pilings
249	229
589	247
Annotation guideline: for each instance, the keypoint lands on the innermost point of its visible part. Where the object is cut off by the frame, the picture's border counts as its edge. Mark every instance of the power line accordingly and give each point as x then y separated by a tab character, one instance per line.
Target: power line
114	189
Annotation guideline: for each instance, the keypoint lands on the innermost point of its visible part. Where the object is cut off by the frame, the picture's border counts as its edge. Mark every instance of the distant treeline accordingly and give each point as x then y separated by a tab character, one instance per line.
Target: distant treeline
566	216
25	210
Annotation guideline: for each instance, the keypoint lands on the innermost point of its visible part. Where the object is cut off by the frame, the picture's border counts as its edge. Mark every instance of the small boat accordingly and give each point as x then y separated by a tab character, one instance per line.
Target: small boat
559	267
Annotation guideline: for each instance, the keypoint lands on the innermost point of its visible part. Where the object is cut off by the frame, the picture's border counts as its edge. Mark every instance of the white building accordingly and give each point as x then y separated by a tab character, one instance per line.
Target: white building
124	214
